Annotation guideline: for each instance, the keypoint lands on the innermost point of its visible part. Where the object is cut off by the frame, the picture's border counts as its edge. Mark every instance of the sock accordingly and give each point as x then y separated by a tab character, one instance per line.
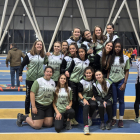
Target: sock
86	125
114	117
121	118
23	117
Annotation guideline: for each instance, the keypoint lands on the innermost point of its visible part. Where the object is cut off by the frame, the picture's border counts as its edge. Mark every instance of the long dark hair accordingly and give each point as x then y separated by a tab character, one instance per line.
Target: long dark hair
75	45
94	37
106	62
62	46
59	86
92	70
103	84
86	55
111	35
120	54
83	35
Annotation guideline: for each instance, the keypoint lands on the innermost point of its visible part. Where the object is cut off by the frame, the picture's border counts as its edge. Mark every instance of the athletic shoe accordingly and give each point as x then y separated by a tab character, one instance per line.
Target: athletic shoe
19	120
137	120
86	130
75	122
113	122
102	126
120	124
108	125
89	122
71	122
68	125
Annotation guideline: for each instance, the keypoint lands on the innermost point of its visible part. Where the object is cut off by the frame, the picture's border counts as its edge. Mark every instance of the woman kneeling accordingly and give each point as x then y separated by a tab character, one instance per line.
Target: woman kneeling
41	96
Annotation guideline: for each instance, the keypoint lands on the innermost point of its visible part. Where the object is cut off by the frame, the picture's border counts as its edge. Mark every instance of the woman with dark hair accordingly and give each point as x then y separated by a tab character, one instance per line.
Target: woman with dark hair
119	72
87	41
34	61
76	37
41	95
62	104
103	57
86	97
75	72
98	38
102	91
65	47
110	33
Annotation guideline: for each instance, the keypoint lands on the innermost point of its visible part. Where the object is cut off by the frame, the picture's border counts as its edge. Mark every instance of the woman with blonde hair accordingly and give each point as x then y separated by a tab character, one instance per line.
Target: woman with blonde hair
34	61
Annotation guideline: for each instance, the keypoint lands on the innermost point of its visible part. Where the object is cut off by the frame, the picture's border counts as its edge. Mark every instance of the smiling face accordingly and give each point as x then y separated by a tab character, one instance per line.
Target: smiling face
72	50
57	47
48	73
38	46
99	76
118	48
98	31
82	53
87	35
108	47
62	80
64	46
88	74
109	29
76	33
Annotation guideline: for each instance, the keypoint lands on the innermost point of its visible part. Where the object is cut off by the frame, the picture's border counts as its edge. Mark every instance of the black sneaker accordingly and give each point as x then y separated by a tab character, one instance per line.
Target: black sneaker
19	120
102	126
108	125
120	124
68	125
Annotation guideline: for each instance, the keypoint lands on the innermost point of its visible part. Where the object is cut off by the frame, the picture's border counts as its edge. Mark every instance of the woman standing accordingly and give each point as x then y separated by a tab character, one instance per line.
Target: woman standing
62	104
76	37
119	72
34	61
42	95
75	72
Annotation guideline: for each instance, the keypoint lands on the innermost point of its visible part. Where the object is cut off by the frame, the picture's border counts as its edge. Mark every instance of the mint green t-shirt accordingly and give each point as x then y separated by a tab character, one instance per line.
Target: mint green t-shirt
44	91
63	99
117	71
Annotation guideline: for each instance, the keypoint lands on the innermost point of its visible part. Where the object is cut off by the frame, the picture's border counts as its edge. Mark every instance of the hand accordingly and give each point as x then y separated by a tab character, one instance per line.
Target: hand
93	99
68	107
123	87
90	51
7	65
67	74
85	102
27	68
58	116
20	78
138	59
34	110
104	103
48	54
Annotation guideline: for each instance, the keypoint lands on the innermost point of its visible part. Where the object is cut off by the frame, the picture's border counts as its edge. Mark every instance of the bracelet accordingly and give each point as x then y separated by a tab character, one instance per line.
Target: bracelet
83	99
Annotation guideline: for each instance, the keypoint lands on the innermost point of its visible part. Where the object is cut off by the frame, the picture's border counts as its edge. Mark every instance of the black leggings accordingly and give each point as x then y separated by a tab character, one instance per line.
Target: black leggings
68	114
74	87
88	109
137	101
27	100
102	110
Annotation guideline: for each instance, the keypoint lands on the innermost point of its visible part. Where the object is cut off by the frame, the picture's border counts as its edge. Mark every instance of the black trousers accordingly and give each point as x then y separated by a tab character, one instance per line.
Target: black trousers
68	114
130	60
27	99
74	87
102	110
88	109
137	101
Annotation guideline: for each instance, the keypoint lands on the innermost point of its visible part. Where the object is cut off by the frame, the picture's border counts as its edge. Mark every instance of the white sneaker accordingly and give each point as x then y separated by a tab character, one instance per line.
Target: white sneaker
86	130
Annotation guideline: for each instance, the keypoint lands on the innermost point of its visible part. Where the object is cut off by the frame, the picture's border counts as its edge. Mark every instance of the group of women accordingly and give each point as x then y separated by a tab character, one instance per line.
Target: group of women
85	70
